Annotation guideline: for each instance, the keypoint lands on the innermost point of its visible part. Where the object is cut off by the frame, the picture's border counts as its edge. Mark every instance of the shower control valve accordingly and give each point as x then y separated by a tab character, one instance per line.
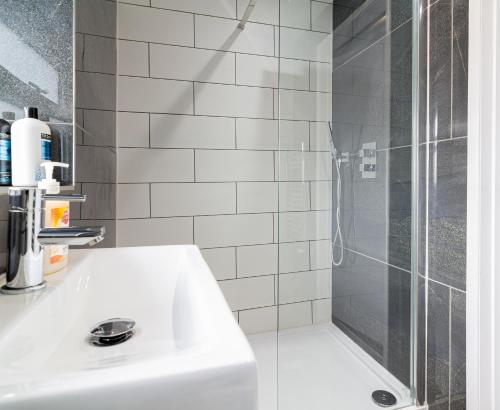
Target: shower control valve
344	158
368	155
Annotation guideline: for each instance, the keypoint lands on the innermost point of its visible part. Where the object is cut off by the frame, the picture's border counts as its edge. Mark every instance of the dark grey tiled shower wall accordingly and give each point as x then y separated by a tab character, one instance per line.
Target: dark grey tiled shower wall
371	293
443	198
95	101
372	289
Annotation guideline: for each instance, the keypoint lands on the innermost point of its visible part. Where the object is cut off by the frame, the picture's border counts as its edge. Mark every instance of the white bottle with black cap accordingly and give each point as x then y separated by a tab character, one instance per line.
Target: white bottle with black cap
26	146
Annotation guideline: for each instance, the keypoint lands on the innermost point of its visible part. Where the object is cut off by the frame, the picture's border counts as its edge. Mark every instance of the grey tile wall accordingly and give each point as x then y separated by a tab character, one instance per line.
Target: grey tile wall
440	70
207	155
442	205
95	101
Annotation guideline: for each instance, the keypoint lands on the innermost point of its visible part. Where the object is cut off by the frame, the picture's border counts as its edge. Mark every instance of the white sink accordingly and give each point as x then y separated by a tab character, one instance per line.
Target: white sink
187	353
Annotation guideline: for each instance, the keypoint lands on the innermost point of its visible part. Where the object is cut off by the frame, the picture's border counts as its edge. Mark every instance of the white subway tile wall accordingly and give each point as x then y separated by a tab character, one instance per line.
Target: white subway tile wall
203	158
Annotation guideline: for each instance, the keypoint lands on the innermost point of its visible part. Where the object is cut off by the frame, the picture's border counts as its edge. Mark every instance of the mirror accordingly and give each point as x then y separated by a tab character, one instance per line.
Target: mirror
36	68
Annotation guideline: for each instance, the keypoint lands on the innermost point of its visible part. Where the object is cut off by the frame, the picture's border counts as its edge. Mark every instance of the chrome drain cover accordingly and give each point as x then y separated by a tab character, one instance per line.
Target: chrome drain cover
112	332
384	398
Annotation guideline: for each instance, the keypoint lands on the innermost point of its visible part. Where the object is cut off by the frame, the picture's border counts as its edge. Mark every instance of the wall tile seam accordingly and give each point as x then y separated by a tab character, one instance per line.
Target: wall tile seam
94	219
261	244
215	116
377	260
224	51
383	38
257	307
225	182
462	291
145	147
438	141
96	72
107	147
281	304
96	35
224	84
233	214
227	51
352	94
226	18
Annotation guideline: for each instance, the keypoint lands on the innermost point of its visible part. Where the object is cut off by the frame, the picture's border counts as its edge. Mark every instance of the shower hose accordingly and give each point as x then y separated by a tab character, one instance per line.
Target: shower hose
338	232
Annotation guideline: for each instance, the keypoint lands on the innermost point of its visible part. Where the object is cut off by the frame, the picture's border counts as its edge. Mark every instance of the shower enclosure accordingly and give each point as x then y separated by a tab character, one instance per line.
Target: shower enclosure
345	305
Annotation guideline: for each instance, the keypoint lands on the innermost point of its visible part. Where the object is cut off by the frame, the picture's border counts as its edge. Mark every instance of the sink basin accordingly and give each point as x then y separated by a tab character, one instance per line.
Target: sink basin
187	351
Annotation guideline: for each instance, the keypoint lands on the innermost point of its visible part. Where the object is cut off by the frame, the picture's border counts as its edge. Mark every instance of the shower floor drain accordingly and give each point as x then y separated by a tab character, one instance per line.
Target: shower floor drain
384	398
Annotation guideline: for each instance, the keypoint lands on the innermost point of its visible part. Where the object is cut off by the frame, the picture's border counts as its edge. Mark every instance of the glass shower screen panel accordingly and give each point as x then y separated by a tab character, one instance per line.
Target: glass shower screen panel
344	287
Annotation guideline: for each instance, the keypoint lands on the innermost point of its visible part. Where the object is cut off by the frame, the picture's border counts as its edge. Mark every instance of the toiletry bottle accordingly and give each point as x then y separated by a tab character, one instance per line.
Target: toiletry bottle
5	158
26	145
46	147
56	215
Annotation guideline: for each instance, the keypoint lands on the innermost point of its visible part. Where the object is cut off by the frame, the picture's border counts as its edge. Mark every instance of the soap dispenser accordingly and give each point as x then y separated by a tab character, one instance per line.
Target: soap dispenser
56	215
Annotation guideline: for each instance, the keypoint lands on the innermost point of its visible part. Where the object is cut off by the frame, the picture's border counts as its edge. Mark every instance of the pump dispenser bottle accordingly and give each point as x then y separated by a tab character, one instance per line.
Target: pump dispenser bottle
26	145
56	215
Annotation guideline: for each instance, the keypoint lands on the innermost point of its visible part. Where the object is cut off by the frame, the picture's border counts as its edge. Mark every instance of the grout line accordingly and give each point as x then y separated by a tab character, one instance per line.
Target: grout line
235	20
310	16
451	67
149	60
305	60
83	51
194	30
377	260
362	51
448	286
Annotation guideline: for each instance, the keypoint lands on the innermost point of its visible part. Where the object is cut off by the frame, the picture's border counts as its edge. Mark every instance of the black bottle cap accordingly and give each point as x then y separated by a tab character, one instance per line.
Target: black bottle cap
4	127
31	112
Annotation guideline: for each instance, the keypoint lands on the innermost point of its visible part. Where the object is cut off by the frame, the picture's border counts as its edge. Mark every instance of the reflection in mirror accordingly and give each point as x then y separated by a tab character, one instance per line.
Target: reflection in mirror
36	67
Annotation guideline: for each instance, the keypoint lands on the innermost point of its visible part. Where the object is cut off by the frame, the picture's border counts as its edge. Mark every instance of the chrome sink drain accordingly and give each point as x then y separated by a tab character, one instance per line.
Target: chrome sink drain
112	332
384	398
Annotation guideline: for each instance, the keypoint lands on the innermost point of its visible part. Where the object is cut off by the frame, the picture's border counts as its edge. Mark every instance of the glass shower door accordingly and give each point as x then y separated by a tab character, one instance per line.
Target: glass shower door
344	288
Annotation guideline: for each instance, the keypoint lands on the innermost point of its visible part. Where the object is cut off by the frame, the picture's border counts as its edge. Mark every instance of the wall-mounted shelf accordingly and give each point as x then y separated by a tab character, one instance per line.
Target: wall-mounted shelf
4	190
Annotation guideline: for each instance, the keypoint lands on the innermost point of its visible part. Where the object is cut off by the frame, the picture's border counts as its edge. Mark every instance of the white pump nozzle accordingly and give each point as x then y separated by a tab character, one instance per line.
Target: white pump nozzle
51	185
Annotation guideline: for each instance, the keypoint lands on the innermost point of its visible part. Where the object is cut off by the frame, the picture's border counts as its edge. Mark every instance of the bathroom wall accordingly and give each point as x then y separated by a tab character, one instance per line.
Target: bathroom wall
372	92
443	199
95	102
305	169
198	141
